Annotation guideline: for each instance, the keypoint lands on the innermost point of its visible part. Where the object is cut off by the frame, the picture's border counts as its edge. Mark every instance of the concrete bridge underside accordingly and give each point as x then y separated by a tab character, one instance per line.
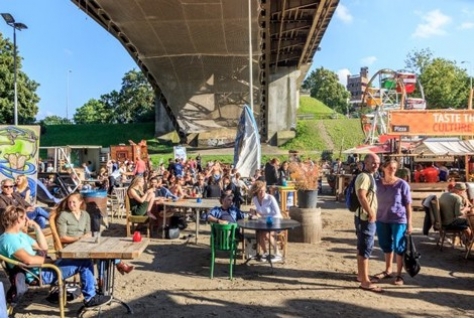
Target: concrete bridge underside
195	54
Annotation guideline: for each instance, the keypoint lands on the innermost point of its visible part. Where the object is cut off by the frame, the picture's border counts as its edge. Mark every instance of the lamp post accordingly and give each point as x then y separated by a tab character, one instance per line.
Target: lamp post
469	105
16	26
67	94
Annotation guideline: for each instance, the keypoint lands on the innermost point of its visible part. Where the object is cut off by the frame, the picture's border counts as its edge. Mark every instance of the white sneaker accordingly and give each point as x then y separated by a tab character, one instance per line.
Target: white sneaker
264	257
276	258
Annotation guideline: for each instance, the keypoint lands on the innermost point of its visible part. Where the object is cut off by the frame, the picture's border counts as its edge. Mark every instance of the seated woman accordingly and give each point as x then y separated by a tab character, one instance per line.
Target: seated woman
265	206
23	188
141	202
74	223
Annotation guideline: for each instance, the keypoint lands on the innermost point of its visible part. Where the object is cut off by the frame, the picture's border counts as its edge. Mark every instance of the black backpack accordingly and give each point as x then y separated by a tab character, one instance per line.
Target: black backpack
351	199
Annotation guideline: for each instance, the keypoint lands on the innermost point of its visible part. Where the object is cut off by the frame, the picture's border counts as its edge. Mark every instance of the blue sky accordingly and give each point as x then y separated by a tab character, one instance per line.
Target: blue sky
374	33
380	33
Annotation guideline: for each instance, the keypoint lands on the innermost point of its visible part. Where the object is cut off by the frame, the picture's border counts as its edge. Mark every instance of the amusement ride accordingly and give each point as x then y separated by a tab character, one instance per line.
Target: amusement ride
388	90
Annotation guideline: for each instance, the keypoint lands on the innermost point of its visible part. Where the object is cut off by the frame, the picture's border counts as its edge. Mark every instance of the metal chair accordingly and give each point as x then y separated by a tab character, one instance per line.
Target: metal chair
13	268
118	202
470	241
438	224
223	239
132	220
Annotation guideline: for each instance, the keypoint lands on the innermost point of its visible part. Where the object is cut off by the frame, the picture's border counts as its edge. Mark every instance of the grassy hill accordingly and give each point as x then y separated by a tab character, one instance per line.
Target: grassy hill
320	134
102	134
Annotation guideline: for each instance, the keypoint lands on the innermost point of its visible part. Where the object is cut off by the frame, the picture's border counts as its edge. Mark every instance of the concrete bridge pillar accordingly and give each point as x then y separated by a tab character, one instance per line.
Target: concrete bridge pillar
283	100
163	123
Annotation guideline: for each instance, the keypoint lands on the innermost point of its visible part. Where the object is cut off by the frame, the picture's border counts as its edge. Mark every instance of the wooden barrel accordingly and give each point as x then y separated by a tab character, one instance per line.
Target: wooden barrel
311	225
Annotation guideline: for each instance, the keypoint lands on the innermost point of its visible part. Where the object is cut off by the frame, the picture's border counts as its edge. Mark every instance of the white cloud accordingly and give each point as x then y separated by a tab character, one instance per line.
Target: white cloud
433	24
466	25
368	60
342	75
343	13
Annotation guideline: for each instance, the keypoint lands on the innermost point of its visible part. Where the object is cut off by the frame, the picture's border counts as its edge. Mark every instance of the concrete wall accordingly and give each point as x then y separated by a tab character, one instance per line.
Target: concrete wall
283	94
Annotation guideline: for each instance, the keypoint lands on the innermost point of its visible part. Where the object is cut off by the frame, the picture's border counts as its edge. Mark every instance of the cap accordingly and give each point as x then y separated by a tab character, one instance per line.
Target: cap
460	186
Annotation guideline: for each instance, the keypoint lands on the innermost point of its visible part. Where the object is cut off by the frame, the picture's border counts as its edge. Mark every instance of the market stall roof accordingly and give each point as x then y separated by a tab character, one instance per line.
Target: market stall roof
364	149
445	146
378	149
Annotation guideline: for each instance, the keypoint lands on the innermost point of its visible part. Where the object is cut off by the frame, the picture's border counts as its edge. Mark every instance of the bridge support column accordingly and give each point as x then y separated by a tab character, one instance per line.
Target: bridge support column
163	123
283	100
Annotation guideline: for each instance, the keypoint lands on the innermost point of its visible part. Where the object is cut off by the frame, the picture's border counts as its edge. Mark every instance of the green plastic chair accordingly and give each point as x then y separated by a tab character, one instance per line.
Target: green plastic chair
223	239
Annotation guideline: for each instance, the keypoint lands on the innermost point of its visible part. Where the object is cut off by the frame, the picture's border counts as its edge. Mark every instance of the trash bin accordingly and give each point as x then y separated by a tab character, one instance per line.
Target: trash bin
96	206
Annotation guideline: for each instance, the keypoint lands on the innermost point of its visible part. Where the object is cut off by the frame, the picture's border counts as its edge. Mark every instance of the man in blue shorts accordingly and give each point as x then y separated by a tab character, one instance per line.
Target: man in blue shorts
365	220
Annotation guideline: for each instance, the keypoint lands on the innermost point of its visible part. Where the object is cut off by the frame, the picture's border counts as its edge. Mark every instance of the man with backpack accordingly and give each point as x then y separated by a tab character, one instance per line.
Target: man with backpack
365	220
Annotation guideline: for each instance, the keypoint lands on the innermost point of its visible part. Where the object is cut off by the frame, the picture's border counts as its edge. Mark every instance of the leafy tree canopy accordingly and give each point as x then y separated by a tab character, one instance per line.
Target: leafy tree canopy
324	85
26	88
445	84
132	104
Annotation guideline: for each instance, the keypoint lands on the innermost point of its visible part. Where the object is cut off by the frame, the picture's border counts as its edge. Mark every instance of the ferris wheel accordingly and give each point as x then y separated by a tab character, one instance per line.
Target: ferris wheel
388	90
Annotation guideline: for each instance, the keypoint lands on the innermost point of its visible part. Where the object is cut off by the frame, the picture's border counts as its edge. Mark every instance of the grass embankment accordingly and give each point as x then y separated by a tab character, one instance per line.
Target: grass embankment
345	132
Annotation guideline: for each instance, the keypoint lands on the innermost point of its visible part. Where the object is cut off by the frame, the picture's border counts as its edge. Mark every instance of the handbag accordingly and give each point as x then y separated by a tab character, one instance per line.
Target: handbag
410	260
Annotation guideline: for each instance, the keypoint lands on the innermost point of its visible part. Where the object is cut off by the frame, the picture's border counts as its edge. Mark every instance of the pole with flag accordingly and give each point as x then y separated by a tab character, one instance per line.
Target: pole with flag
247	151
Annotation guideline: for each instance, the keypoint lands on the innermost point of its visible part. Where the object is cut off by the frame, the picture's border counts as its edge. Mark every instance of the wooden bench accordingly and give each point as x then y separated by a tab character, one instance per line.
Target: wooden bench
419	191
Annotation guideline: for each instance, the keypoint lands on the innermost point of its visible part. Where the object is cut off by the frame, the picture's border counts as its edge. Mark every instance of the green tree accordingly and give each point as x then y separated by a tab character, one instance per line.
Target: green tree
55	120
417	61
324	85
134	103
445	85
26	88
93	112
136	99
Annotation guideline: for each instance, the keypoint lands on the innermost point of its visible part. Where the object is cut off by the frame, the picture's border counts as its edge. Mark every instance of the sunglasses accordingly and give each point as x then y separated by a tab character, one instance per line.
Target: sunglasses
8	186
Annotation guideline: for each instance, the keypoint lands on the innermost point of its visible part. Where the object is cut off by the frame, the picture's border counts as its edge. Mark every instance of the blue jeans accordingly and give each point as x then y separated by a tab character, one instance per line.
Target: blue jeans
40	216
70	267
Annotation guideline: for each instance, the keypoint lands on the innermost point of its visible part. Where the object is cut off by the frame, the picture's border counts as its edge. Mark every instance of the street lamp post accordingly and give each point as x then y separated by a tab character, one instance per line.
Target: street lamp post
67	94
469	105
16	26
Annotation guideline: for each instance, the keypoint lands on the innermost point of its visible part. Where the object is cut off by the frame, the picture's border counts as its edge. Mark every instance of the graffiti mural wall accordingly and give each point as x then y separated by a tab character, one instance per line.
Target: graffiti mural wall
19	148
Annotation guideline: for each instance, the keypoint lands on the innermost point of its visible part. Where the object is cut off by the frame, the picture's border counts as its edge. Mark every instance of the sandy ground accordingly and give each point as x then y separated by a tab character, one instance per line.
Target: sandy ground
172	280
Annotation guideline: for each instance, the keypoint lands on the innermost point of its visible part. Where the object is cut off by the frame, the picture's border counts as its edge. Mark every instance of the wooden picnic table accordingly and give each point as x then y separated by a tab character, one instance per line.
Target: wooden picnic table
107	250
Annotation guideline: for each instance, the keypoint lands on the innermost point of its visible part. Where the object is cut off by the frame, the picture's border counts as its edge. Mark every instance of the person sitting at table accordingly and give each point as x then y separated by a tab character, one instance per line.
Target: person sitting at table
454	206
226	213
213	188
11	197
177	190
265	206
141	202
199	187
17	245
74	222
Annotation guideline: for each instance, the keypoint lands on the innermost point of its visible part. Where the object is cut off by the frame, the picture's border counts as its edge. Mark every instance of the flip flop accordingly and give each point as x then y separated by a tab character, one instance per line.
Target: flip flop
372	288
373	279
383	275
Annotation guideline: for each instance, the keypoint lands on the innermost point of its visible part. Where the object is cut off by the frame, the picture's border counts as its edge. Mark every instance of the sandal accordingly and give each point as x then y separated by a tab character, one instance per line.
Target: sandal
398	281
383	275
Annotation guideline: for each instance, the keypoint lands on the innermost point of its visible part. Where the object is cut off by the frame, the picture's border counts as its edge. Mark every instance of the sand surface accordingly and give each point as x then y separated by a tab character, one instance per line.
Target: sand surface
172	280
